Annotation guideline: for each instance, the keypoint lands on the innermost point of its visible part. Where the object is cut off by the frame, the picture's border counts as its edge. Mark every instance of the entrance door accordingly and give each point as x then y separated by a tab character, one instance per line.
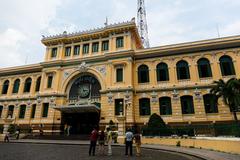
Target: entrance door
81	123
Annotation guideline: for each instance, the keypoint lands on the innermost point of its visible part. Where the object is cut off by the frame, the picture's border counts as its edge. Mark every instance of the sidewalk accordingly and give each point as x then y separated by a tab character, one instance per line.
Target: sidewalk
203	153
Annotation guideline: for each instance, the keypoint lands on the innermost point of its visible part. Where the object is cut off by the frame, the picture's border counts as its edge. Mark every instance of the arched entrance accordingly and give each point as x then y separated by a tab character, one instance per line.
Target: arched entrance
82	111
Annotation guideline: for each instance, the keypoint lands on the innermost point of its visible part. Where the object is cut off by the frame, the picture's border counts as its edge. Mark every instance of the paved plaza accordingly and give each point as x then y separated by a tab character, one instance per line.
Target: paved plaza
29	151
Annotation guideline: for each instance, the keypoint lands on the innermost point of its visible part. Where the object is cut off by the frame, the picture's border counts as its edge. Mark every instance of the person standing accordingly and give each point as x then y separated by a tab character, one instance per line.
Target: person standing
93	141
6	138
109	141
129	142
68	130
17	133
101	141
137	138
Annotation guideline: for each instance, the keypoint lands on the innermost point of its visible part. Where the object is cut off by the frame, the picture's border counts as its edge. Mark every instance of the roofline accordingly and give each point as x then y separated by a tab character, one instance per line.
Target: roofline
195	46
21	69
106	28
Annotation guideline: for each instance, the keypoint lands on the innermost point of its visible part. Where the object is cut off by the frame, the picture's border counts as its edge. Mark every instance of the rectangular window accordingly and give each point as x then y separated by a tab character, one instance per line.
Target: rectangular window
45	110
105	45
119	42
119	74
54	53
50	79
1	110
85	48
119	107
67	51
95	47
22	111
33	111
76	50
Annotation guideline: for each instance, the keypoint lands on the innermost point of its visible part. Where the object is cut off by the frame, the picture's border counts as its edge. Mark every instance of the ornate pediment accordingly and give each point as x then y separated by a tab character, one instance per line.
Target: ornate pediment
83	67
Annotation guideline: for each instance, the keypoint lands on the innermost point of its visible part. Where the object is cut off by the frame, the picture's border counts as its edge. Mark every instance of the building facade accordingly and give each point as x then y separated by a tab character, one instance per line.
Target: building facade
89	78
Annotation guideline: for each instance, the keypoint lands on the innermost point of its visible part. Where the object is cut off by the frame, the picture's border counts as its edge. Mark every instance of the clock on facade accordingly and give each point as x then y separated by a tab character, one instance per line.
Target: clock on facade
84	90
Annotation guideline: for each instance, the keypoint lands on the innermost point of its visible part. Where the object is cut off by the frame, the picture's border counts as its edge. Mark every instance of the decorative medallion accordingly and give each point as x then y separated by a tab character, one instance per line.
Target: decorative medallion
102	70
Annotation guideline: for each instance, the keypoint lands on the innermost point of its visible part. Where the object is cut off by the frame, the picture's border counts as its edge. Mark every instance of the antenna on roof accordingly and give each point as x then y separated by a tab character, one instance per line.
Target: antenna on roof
106	23
142	23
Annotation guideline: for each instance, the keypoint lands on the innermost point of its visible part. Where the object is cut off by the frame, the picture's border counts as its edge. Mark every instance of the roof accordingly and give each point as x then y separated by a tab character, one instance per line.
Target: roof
108	28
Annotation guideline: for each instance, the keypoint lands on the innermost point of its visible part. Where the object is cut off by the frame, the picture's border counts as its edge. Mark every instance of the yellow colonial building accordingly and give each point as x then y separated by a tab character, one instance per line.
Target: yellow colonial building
89	78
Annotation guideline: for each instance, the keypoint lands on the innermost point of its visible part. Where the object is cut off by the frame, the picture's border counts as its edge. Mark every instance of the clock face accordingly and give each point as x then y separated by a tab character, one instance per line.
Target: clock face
84	90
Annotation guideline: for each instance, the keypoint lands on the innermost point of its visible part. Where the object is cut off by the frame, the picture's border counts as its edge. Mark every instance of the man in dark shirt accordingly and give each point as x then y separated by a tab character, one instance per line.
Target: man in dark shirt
93	141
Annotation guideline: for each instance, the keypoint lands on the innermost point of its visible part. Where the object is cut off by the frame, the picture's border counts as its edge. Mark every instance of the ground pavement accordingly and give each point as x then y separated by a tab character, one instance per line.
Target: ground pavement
75	149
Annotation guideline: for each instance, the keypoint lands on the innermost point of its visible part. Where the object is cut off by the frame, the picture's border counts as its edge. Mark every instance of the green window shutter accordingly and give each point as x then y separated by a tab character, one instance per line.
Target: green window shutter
16	86
85	48
22	111
50	79
165	106
33	111
105	45
67	51
1	109
54	53
144	105
119	42
119	73
45	110
38	83
76	50
95	47
27	86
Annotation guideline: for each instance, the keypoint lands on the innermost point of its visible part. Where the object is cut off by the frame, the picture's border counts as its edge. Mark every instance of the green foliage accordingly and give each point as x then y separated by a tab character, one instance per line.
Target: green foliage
156	127
230	92
12	129
156	121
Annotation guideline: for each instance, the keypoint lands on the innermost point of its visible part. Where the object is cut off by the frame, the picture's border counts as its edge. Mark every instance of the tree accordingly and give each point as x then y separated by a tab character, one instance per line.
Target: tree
230	92
156	126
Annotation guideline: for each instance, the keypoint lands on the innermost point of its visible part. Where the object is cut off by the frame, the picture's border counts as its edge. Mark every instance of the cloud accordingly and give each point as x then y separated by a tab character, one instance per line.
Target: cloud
10	42
22	22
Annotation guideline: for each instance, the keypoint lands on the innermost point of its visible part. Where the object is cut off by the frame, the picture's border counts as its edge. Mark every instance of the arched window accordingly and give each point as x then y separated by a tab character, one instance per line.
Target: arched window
182	70
144	106
210	103
204	68
16	85
5	87
38	83
162	72
187	105
27	86
227	67
165	106
143	74
10	111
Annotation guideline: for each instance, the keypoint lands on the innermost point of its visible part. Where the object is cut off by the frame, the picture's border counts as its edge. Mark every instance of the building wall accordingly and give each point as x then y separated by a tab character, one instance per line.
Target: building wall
103	66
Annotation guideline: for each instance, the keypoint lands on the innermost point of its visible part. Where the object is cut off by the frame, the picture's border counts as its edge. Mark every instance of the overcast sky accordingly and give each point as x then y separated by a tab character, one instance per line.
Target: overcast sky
22	22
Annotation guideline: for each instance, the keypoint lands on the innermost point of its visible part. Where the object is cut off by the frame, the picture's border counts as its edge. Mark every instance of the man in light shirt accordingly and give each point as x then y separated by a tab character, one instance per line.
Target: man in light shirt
129	142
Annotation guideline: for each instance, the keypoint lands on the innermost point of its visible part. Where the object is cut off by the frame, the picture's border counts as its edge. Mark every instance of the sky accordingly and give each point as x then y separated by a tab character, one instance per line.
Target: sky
23	22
